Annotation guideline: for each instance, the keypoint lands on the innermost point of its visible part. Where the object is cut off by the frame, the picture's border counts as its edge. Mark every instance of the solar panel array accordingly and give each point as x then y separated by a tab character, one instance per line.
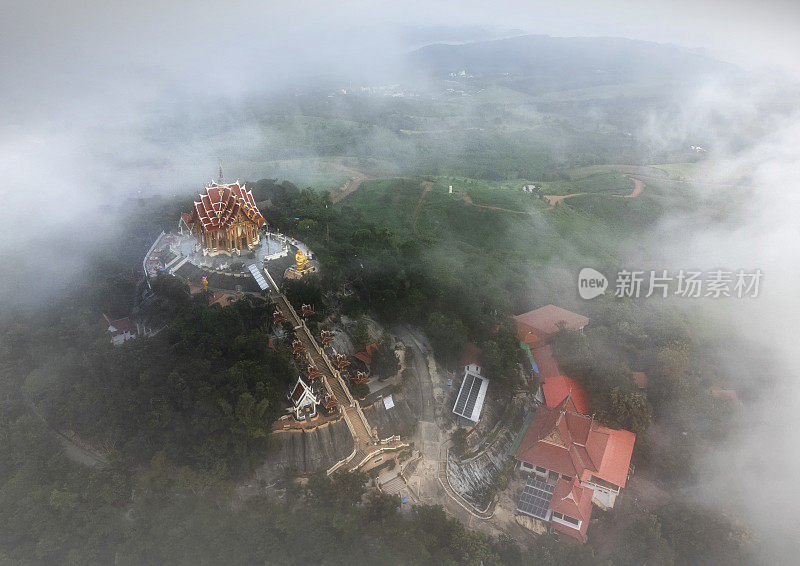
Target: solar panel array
473	396
470	382
258	277
536	497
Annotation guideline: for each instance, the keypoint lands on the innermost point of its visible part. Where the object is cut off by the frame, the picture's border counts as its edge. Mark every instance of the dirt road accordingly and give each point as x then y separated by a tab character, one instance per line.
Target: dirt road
426	188
468	199
351	185
638	188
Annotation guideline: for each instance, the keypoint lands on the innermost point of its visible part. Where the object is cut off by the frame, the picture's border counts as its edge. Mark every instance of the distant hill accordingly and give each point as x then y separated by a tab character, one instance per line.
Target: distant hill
558	63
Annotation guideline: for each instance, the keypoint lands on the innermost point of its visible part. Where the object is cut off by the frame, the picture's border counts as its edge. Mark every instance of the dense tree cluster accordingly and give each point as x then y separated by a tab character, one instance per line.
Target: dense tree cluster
395	280
183	411
204	389
681	365
385	362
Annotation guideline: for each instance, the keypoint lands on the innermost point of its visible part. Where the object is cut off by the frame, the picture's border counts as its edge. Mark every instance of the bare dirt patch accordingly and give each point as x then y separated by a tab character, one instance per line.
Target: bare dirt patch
638	188
351	185
555	199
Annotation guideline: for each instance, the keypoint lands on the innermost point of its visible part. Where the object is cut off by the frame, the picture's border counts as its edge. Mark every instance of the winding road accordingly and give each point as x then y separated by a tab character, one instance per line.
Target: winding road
638	188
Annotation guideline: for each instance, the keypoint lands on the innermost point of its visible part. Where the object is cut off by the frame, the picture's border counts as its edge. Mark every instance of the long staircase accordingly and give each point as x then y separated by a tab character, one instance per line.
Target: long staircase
364	442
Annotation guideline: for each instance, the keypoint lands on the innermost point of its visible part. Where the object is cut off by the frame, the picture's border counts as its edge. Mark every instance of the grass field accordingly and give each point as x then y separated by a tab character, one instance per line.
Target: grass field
529	256
482	217
606	182
320	173
680	170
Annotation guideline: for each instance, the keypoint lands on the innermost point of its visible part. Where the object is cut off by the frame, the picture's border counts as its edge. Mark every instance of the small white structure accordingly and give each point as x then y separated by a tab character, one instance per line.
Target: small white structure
303	403
530	188
451	190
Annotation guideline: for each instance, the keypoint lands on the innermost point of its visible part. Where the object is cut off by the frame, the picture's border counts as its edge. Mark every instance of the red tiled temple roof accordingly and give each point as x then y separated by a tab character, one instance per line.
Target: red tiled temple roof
559	387
572	499
548	367
299	390
575	445
366	355
220	204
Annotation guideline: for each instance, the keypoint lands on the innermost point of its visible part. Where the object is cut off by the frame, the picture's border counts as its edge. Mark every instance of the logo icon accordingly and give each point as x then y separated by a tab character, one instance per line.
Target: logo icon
591	283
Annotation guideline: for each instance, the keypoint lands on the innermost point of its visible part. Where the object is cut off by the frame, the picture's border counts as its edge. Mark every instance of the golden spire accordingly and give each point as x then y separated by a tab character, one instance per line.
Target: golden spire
220	172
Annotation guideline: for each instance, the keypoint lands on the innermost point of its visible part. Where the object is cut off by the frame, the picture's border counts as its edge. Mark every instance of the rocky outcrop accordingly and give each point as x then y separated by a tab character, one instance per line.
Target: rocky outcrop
398	420
533	525
305	452
475	478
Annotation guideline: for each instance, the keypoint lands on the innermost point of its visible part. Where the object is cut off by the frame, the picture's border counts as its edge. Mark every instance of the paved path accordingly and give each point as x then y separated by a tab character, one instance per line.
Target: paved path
77	451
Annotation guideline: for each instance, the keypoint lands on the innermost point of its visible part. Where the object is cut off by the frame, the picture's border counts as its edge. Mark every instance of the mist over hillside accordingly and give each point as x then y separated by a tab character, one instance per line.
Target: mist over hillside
540	63
396	139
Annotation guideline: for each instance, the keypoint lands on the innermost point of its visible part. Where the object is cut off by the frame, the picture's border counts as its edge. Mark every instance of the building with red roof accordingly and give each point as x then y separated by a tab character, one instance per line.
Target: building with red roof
365	356
727	394
225	220
564	445
639	378
122	329
560	387
545	362
536	326
571	508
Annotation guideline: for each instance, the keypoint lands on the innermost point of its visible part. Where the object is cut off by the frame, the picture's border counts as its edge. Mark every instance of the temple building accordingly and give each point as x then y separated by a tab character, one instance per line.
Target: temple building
572	462
302	401
225	220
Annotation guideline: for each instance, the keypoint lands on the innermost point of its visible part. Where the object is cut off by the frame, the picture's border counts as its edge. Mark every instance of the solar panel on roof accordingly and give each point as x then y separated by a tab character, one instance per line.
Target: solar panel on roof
535	498
473	396
466	387
258	277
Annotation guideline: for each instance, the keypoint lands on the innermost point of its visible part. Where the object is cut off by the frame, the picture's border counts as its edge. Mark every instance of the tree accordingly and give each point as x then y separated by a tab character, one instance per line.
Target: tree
644	543
342	489
631	410
702	537
385	362
361	334
500	355
358	390
307	290
447	334
381	507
